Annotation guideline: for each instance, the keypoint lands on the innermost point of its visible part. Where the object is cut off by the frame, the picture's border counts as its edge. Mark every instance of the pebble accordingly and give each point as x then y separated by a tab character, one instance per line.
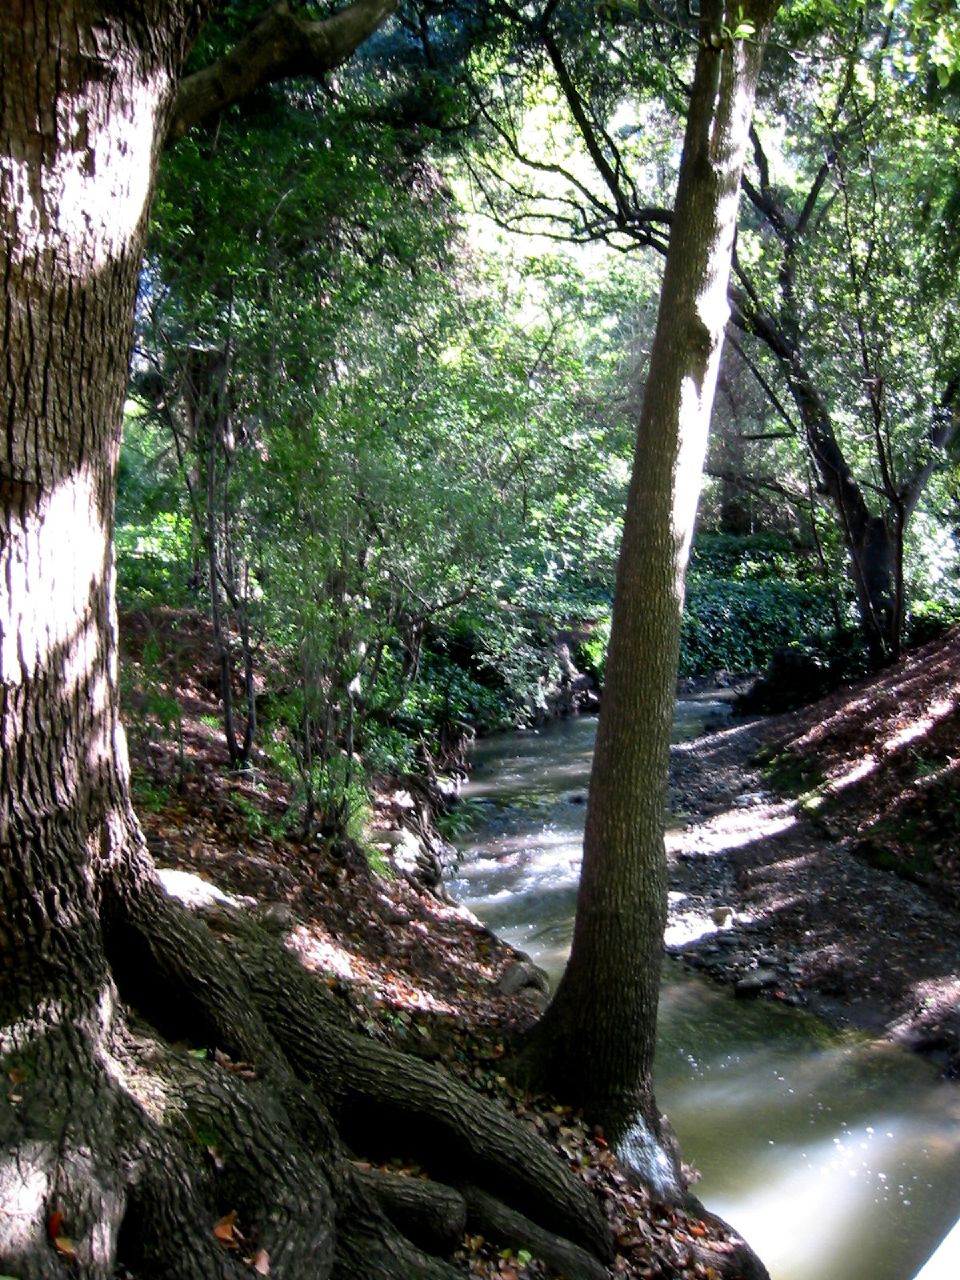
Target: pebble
750	799
754	983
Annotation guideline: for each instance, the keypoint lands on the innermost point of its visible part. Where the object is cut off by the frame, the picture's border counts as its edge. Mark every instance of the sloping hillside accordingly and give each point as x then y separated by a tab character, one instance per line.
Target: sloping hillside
879	763
826	844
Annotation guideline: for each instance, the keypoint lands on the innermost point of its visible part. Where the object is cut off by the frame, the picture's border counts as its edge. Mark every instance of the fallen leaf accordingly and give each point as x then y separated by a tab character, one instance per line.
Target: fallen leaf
54	1224
65	1246
226	1229
261	1262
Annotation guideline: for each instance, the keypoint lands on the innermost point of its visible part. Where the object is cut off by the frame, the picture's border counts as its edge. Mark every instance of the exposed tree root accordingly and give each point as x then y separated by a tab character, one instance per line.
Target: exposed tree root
492	1218
222	1090
431	1214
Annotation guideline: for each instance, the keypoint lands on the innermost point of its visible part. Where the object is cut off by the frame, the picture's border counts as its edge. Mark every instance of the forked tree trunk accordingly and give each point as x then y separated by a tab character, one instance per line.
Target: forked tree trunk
595	1043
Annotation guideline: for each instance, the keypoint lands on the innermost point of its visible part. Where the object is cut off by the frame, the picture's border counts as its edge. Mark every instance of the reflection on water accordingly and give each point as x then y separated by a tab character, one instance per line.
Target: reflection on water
837	1157
834	1155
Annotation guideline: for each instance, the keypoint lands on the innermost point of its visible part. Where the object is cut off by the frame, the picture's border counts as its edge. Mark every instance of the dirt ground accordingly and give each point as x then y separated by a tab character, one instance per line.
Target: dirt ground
814	856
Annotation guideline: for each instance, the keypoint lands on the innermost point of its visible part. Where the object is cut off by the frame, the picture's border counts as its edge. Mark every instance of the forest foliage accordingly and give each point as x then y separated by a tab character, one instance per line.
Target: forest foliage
376	455
379	419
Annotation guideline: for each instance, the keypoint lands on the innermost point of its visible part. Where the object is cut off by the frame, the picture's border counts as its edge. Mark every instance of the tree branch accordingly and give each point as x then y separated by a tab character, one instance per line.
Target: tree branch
759	485
280	45
591	142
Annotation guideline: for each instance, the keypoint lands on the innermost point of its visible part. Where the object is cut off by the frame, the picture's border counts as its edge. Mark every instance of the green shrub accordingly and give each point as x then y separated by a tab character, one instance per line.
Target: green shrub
591	655
737	624
153	562
446	692
384	748
151	710
929	619
752	557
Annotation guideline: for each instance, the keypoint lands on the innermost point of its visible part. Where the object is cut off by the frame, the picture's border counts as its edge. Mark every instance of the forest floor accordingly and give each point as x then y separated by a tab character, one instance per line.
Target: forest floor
413	970
815	856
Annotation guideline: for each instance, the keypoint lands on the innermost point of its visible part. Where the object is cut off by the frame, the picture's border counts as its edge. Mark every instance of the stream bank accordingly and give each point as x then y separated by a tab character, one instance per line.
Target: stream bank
768	898
773	889
409	970
418	974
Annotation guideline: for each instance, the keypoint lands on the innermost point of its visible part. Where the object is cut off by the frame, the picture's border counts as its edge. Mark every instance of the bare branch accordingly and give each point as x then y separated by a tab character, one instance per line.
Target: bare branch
766	386
280	45
759	485
587	132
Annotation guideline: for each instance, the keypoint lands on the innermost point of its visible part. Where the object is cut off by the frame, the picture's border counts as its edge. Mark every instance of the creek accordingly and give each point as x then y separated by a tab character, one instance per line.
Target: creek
837	1156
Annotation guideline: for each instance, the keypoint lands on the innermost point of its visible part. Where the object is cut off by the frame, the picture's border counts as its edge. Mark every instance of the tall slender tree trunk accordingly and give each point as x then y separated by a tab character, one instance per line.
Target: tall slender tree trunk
595	1043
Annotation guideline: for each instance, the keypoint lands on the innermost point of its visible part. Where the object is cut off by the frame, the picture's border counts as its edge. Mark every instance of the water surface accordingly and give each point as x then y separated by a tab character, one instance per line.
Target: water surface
838	1157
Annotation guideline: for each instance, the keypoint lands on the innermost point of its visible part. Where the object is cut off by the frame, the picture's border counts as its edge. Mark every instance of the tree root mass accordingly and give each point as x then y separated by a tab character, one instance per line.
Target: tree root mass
198	1127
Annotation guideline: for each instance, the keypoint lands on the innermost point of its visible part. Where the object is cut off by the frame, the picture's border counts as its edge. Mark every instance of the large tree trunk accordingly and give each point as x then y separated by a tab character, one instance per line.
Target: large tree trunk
119	1151
82	110
595	1043
84	97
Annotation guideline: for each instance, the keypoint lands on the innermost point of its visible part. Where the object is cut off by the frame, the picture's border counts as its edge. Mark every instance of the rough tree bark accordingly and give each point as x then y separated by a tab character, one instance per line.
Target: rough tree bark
117	1148
595	1043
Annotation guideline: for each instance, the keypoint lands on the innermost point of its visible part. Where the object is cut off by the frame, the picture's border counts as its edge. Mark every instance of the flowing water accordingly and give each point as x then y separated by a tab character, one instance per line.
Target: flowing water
836	1156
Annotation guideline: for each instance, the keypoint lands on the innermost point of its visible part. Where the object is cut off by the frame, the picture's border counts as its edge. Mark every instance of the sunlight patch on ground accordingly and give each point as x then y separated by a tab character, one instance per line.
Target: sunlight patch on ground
784	866
734	829
939	993
819	732
781	904
694	746
321	954
854	774
923	724
686	928
195	892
